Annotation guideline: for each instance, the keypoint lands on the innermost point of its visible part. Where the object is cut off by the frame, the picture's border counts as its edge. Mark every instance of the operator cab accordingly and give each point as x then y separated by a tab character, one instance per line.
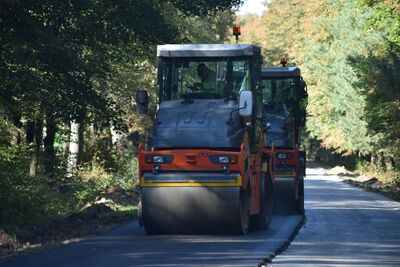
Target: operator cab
205	71
284	100
200	88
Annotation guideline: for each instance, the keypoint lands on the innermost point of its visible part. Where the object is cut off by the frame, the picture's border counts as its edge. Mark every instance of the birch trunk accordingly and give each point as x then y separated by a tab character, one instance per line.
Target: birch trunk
66	138
73	149
37	142
116	139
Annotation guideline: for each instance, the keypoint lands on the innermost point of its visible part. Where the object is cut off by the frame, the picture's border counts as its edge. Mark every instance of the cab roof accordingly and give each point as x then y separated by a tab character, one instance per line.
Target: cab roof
277	72
207	50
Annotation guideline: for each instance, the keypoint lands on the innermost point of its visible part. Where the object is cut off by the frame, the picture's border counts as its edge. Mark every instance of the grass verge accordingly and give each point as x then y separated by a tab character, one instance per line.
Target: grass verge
374	185
105	213
385	184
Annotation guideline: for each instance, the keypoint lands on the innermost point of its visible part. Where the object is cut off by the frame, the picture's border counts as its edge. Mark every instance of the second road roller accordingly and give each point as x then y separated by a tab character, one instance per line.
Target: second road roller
285	100
204	170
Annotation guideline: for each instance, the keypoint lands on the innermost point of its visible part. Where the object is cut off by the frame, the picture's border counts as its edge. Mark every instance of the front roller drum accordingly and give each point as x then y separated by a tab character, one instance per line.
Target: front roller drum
194	210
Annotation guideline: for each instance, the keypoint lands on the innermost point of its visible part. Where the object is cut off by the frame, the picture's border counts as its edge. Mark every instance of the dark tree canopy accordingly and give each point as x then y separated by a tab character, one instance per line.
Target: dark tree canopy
52	51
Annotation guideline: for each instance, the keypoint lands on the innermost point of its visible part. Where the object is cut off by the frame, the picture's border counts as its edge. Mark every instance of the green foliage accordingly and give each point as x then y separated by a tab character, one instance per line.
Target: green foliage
120	169
204	7
83	61
323	38
56	52
7	152
28	200
389	177
126	174
379	71
210	29
386	18
349	54
23	199
341	124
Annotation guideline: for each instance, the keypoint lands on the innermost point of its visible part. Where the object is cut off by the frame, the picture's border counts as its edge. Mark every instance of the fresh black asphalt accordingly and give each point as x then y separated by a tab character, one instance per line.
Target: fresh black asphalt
128	245
345	226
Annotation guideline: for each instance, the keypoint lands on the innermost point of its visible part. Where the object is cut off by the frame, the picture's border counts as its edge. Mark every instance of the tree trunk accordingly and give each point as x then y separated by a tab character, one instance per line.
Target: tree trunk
48	141
16	136
389	163
381	161
37	138
30	132
73	149
116	139
81	132
66	138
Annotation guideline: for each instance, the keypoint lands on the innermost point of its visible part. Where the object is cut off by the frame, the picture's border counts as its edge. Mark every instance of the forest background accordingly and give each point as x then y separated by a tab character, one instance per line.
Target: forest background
69	71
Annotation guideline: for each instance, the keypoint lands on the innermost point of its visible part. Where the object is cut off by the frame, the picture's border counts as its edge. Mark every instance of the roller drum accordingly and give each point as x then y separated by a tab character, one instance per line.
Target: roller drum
192	209
285	196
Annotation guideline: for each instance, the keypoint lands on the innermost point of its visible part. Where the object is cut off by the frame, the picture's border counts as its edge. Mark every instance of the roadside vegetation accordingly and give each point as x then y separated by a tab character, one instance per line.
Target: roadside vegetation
349	54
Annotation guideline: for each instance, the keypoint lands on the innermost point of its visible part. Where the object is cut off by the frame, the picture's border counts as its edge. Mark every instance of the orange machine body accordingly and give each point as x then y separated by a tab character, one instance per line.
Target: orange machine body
290	166
203	160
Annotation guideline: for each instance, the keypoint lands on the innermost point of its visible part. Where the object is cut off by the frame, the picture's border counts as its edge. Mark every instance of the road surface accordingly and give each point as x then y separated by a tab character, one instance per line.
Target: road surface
345	227
128	245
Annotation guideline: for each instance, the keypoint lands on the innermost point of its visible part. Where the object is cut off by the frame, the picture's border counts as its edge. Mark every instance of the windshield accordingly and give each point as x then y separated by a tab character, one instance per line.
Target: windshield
181	78
279	94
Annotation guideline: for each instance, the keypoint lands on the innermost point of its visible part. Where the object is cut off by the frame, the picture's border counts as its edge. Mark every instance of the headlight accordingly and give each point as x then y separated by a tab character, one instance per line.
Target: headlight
158	159
281	156
223	160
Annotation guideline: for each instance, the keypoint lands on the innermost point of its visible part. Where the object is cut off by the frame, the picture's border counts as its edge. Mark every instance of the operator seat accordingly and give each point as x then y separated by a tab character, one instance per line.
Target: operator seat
279	131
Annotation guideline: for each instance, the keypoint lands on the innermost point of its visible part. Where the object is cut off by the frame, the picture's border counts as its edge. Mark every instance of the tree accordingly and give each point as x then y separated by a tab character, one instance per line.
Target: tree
55	57
379	72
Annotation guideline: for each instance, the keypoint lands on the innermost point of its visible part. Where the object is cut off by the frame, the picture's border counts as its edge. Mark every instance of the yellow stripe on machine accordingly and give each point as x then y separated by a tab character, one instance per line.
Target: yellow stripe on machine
264	167
190	183
285	175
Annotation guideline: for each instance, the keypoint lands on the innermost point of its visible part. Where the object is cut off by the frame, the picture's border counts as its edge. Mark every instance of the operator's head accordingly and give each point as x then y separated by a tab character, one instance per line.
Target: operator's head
202	71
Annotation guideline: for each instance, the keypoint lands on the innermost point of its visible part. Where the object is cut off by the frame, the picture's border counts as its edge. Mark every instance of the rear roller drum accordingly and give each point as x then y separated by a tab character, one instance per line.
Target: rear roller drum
285	201
284	196
300	201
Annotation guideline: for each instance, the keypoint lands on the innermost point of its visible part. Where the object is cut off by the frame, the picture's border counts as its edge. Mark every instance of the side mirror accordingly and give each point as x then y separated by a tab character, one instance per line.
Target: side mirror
303	84
303	88
302	115
245	103
142	102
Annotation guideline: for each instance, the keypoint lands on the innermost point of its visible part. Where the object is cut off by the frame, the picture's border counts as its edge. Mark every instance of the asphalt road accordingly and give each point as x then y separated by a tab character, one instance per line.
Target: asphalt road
128	245
345	227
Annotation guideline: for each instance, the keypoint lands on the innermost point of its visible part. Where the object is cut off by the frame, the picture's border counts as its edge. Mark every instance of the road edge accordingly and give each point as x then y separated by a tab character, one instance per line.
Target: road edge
285	245
116	221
